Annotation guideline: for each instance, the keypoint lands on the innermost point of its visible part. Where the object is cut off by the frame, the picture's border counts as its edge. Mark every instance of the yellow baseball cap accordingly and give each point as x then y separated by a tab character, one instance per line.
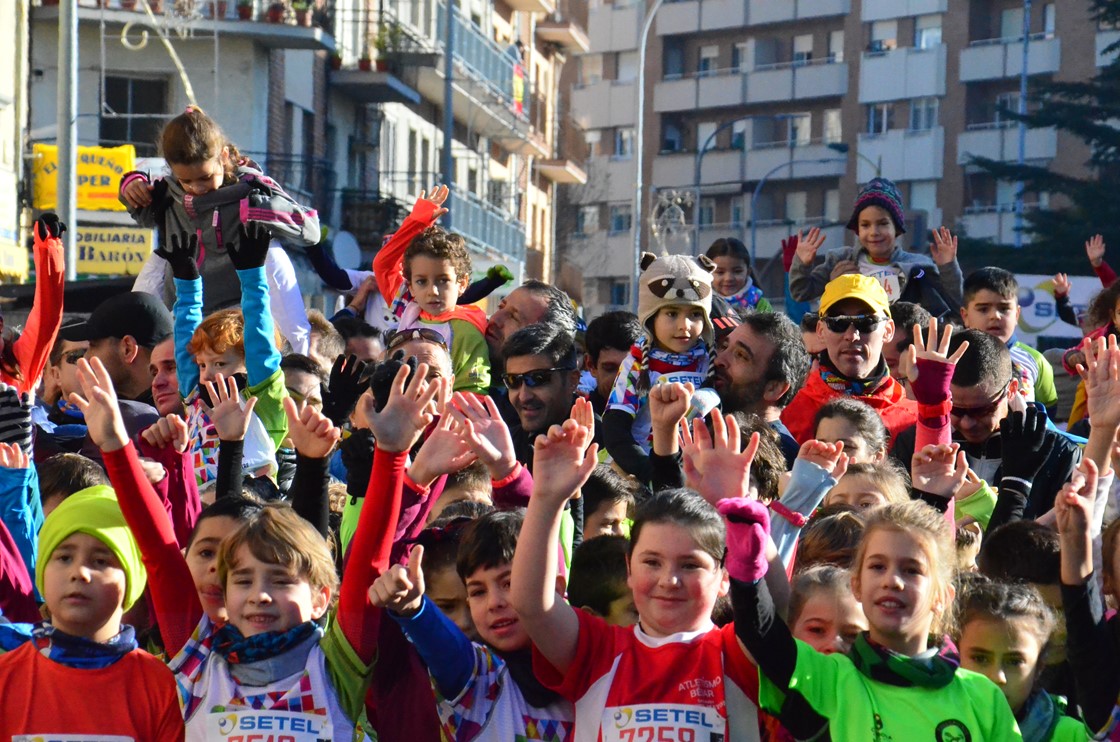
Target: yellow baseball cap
856	286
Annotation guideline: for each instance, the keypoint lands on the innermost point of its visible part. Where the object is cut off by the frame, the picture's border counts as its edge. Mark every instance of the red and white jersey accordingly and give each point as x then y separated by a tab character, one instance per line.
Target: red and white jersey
630	687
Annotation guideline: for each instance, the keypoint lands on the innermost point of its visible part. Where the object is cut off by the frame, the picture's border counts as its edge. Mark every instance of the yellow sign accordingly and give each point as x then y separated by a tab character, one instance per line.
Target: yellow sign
113	251
14	260
99	174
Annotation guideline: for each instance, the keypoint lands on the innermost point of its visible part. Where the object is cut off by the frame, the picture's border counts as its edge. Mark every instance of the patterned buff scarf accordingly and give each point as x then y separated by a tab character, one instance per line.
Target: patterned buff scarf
884	666
853	387
746	297
264	658
83	654
1040	717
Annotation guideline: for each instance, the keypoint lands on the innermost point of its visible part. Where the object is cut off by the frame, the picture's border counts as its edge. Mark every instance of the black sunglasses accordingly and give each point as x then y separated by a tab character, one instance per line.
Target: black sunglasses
984	410
864	323
74	356
532	379
400	337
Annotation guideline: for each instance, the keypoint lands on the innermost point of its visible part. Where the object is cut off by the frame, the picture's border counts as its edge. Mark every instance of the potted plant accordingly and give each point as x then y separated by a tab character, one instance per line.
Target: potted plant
336	61
302	9
365	64
389	38
220	9
49	2
128	4
276	12
245	10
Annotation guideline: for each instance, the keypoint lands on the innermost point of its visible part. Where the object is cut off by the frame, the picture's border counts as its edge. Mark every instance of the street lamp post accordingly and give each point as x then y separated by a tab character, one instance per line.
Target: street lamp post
762	182
1020	191
639	135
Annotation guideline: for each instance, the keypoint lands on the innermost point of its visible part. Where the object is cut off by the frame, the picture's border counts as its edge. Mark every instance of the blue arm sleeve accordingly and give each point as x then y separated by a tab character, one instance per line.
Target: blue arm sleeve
22	511
807	486
188	316
262	359
446	651
328	270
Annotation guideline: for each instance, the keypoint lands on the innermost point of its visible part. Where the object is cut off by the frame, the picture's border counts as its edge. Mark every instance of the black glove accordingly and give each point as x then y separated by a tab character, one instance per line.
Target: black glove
357	456
1026	444
251	247
48	226
348	381
381	382
183	255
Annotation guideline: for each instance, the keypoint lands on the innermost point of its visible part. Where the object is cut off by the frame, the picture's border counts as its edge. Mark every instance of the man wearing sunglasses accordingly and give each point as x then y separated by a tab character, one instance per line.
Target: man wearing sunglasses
855	322
541	375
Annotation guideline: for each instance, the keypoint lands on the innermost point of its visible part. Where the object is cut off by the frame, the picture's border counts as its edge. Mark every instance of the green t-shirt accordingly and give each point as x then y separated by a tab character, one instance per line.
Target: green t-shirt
970	707
980	505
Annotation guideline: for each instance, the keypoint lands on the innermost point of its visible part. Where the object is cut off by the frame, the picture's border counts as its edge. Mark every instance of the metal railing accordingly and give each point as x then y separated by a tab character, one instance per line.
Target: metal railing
488	226
485	59
319	14
309	180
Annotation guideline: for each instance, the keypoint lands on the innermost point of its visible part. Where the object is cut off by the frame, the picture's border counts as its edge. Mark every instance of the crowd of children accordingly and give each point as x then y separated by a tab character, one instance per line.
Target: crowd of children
868	528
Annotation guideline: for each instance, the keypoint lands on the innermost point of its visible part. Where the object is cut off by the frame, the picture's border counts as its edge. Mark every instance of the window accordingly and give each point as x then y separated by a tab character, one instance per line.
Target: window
704	131
472	180
709	60
133	99
497	194
627	66
706	215
923	195
620	293
1006	102
832	127
590	69
923	114
802	49
799	125
880	118
736	212
672	56
927	32
1011	23
672	140
738	134
620	218
739	57
1006	191
1048	19
836	46
797	205
587	220
832	205
624	143
884	36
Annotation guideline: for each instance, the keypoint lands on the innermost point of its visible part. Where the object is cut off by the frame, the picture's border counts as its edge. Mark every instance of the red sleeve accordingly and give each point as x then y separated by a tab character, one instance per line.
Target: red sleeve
178	490
387	262
513	491
416	504
369	552
178	609
1105	273
598	645
17	593
33	348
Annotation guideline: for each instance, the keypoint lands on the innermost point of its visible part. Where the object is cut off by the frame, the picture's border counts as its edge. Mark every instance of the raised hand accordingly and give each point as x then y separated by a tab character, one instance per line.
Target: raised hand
481	427
98	404
251	247
229	415
409	410
939	469
348	380
1025	443
444	451
748	525
564	458
167	431
1061	285
438	197
1073	511
713	464
1101	374
311	432
183	255
401	589
49	227
929	367
828	456
944	247
138	193
668	404
1094	249
13	457
808	244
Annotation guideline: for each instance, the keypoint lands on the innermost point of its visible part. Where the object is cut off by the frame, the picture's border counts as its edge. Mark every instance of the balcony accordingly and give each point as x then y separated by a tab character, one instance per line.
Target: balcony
372	86
491	232
809	160
709	89
1000	141
760	12
567	35
490	95
371	215
996	59
604	104
572	154
603	253
768	235
612	180
881	10
905	155
994	222
614	28
208	19
899	74
817	78
532	6
721	171
1105	39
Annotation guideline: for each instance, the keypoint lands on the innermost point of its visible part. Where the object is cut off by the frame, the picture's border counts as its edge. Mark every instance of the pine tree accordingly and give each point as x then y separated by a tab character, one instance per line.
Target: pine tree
1087	110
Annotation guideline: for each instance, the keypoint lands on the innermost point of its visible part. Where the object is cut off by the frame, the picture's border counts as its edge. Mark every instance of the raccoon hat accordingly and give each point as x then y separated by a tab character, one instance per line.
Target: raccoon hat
675	280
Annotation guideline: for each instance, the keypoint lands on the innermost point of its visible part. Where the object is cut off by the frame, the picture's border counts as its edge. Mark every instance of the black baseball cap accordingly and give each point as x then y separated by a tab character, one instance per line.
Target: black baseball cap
140	315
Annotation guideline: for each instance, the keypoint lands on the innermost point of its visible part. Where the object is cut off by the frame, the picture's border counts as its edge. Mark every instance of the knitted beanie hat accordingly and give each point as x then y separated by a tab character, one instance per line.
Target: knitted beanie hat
93	511
884	194
675	280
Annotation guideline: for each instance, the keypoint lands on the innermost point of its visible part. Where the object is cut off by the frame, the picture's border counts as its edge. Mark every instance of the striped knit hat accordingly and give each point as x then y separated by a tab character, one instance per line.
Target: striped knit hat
884	194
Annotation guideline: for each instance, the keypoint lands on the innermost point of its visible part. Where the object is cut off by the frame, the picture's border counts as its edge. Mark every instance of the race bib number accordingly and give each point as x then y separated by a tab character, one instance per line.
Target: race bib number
681	377
663	722
888	278
267	726
72	738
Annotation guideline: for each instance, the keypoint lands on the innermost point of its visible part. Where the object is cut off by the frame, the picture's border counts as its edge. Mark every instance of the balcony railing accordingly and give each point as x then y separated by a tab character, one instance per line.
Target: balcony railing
319	14
484	58
308	180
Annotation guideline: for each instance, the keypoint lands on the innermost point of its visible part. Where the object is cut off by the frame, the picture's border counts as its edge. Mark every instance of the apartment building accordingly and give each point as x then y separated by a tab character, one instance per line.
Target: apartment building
767	115
342	102
13	119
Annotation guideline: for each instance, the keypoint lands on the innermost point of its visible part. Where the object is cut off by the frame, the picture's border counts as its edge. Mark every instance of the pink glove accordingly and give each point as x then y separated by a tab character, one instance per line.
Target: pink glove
789	248
748	525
